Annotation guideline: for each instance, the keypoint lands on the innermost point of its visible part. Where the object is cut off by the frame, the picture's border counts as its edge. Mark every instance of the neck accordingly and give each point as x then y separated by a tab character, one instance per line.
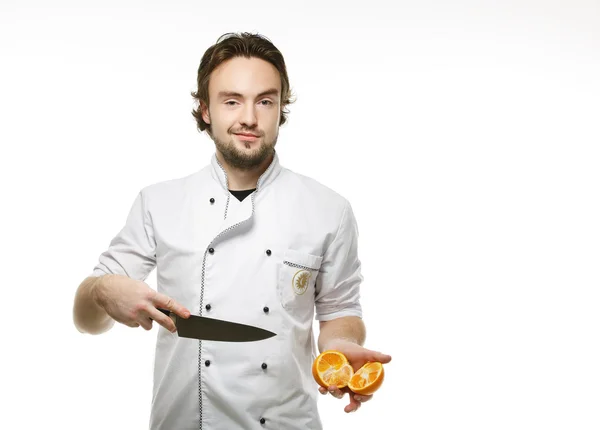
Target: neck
243	179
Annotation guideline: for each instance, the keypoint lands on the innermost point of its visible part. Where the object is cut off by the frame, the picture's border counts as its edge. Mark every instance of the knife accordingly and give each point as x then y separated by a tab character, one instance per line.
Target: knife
203	328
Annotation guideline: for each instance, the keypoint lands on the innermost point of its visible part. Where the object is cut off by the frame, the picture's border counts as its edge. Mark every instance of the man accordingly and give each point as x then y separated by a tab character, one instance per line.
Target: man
227	243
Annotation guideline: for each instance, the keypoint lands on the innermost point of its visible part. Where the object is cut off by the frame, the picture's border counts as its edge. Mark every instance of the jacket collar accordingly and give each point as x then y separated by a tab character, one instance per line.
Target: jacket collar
268	176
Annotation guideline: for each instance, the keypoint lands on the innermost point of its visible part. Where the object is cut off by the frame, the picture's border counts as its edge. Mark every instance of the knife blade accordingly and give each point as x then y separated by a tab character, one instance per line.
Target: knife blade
203	328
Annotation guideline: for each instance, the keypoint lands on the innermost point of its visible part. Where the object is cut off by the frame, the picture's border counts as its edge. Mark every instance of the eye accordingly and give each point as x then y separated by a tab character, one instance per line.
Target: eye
230	101
269	102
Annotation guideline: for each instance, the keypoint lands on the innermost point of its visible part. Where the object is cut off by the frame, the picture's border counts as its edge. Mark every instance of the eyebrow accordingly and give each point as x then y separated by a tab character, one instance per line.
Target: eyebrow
269	92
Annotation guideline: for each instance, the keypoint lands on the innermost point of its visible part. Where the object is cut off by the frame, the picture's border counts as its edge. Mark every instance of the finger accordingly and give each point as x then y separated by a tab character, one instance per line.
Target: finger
378	356
383	358
361	398
146	323
352	406
323	391
162	319
165	302
335	392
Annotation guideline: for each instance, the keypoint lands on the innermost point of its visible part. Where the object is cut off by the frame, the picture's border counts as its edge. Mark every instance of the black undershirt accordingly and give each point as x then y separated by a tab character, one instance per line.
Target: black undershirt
241	195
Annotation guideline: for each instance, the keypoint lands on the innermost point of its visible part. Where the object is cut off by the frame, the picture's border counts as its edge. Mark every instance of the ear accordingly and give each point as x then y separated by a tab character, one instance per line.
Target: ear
205	112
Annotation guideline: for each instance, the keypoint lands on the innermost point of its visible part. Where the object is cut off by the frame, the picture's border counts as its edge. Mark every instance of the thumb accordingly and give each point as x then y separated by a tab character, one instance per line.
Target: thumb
378	356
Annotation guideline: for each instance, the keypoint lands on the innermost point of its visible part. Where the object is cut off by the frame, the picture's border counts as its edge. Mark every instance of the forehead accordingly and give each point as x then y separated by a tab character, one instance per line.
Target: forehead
247	76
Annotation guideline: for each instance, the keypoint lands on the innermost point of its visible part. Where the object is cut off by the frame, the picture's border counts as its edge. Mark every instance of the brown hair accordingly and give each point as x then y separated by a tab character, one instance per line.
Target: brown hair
231	45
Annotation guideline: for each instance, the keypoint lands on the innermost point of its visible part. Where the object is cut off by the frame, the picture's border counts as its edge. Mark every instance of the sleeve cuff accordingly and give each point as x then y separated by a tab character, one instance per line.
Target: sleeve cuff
348	312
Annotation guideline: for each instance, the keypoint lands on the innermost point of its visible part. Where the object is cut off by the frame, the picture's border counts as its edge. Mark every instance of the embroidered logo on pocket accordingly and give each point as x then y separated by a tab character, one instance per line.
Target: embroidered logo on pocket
300	281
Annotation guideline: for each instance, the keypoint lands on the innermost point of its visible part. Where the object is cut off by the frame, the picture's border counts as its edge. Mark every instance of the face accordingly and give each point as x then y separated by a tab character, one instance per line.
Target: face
244	111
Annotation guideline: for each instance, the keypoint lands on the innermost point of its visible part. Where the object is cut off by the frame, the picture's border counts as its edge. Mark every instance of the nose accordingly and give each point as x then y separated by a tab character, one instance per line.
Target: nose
248	116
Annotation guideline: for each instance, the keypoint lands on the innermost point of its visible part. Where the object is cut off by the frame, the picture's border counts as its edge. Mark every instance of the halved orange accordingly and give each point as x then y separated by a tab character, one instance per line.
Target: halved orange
332	368
367	379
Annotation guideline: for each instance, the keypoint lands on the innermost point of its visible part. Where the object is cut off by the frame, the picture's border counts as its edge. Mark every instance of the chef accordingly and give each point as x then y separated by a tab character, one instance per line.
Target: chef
243	239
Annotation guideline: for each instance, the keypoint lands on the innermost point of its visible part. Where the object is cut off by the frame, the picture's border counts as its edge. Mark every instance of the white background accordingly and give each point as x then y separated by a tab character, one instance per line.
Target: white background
465	134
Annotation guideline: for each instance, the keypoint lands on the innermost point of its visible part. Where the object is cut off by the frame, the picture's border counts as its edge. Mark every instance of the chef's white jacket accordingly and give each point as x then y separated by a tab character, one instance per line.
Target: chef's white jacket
284	255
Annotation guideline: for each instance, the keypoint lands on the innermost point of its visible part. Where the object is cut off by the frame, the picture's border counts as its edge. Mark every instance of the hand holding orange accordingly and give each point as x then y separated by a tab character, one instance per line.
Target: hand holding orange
347	367
333	368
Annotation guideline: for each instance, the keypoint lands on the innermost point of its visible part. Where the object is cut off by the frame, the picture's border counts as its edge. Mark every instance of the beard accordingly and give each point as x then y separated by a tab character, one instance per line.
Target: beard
242	160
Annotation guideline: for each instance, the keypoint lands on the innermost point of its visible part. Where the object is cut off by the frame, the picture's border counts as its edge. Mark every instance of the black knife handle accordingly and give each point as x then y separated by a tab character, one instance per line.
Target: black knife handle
165	311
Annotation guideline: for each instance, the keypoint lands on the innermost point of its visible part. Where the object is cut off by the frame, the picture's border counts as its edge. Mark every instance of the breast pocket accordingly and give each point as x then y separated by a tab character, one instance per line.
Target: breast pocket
297	278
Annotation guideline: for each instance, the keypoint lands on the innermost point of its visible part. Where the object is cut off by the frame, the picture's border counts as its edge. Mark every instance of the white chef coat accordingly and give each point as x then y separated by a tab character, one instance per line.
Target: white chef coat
284	255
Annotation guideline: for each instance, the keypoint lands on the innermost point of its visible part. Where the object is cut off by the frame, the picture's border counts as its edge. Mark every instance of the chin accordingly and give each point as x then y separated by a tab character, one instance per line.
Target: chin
248	146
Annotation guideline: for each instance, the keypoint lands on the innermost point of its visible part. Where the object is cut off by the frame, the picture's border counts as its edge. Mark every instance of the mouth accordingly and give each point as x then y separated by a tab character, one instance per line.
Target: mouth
247	137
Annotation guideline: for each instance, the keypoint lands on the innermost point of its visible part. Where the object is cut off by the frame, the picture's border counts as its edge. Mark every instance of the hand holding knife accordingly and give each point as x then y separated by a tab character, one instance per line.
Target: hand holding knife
134	303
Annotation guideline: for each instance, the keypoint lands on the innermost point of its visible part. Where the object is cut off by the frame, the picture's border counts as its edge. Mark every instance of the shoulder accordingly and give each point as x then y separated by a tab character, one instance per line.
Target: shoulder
314	195
311	185
176	185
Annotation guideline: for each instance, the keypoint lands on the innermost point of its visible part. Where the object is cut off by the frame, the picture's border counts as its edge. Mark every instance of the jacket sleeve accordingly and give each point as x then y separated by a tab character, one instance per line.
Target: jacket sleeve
132	252
340	278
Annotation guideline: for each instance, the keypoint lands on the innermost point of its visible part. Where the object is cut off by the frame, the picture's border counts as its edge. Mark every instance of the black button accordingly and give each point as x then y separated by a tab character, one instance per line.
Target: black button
211	250
266	309
207	363
208	307
212	200
264	365
268	252
262	420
